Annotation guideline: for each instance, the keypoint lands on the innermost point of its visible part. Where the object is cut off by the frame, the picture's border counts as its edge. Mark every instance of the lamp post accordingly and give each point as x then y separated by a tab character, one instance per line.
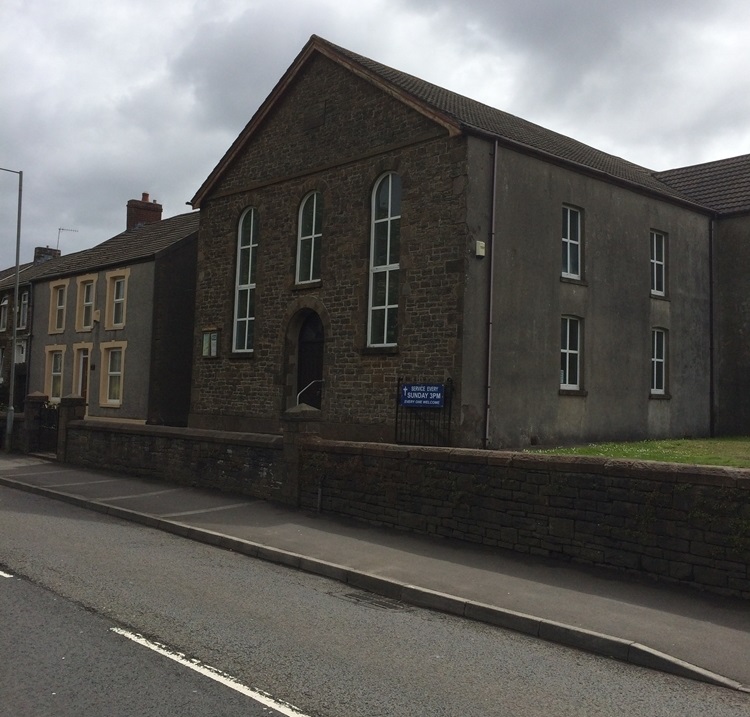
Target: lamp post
10	415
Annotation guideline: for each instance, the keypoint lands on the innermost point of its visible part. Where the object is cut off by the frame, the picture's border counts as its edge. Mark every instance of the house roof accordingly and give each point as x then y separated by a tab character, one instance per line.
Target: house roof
723	185
130	247
458	114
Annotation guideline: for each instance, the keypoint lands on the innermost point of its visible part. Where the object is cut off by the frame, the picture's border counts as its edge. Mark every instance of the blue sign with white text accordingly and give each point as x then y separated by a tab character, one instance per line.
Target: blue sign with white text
422	394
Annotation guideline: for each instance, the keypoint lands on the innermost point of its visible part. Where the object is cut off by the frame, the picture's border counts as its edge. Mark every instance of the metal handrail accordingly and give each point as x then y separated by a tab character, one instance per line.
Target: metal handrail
317	380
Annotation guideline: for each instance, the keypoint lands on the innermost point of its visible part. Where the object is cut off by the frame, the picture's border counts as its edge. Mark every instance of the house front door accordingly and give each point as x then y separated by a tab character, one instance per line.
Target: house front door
310	361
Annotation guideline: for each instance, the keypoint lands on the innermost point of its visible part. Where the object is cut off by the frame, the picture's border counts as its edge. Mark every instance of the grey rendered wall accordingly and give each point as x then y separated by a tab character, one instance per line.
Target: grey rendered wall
732	326
137	333
613	300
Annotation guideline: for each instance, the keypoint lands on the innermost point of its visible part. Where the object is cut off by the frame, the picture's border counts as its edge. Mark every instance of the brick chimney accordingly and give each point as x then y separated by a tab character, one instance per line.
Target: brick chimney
44	253
143	212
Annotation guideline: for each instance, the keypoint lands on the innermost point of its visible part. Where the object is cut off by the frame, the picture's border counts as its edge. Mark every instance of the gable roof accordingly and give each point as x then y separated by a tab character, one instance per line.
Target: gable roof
129	247
458	114
723	185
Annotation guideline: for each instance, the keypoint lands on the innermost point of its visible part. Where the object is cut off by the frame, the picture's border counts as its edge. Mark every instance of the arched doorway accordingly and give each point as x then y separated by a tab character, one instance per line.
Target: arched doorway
310	346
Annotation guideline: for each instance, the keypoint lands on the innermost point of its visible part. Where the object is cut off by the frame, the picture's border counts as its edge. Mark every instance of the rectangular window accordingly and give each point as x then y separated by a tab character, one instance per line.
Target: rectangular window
112	378
4	314
54	373
658	362
58	298
23	311
571	243
117	295
85	302
244	297
658	264
570	353
21	351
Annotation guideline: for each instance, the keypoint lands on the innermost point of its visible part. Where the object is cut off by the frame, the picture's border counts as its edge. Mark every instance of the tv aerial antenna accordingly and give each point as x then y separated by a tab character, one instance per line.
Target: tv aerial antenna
63	229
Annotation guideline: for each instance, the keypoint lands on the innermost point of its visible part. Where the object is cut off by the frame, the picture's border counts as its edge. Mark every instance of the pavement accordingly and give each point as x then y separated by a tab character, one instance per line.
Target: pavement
665	627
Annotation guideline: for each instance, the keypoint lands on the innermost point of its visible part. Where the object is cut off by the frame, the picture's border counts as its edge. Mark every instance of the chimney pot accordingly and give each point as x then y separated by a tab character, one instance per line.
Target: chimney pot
143	211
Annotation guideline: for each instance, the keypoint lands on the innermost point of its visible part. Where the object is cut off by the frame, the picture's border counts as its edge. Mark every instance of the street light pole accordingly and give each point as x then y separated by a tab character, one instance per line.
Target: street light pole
10	414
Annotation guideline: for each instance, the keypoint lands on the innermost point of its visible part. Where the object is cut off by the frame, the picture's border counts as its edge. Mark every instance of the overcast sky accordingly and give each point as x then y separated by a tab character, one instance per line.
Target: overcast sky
103	100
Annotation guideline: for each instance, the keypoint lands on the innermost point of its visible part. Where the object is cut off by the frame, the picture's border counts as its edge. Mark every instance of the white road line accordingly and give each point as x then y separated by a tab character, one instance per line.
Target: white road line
204	510
140	495
4	575
224	679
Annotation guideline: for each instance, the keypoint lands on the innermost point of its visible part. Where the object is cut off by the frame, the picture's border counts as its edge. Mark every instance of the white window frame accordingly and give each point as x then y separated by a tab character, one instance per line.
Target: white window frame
108	374
116	301
570	353
309	239
243	324
23	311
658	263
572	242
4	302
58	293
54	373
659	338
385	273
86	300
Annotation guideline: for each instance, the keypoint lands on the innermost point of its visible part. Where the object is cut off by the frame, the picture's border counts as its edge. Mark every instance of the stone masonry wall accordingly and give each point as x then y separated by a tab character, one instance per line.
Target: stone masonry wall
683	524
360	134
233	462
678	523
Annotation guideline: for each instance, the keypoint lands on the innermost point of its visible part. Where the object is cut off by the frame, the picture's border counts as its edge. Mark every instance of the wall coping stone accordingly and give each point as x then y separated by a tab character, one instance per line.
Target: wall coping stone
231	437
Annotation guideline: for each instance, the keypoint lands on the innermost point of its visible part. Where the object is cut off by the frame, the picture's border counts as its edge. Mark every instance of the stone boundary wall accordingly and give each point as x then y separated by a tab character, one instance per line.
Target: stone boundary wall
250	464
678	523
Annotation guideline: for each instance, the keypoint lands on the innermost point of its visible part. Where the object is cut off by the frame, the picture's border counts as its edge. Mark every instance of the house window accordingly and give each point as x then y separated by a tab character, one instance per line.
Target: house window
54	372
58	297
384	262
658	264
658	362
244	298
309	238
112	381
21	351
23	311
570	353
117	294
571	243
85	307
4	314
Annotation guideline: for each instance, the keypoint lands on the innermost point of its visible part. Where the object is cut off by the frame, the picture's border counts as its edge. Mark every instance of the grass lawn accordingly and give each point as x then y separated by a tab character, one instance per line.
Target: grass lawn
734	452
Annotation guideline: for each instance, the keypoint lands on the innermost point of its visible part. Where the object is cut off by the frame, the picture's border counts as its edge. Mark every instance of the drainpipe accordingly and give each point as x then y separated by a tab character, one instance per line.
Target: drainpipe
711	390
491	297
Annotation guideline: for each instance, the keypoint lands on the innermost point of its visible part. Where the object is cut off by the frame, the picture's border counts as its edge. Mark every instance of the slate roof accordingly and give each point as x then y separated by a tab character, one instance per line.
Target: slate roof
466	115
473	117
130	247
723	185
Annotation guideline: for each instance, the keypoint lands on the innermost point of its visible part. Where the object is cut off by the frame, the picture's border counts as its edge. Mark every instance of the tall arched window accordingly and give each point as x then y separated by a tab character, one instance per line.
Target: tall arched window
384	262
309	238
244	297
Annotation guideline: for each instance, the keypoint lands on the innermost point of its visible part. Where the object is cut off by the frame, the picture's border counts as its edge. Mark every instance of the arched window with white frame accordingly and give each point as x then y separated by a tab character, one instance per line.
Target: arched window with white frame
243	337
385	247
309	238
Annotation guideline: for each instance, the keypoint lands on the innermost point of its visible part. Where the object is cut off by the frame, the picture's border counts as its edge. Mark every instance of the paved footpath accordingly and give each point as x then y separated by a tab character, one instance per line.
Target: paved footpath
675	629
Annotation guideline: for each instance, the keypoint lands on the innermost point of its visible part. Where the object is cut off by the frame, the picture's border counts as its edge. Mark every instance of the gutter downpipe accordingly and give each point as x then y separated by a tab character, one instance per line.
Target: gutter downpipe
711	328
491	297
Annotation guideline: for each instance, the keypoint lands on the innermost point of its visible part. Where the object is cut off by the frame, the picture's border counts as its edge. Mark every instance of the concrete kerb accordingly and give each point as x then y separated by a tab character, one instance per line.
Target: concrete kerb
549	630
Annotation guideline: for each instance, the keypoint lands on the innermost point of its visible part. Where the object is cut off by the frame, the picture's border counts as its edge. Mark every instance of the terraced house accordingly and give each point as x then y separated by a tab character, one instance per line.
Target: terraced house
370	239
114	323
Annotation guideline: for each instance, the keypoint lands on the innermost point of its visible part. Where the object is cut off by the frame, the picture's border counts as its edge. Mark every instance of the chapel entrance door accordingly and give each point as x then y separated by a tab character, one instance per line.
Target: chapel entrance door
310	361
